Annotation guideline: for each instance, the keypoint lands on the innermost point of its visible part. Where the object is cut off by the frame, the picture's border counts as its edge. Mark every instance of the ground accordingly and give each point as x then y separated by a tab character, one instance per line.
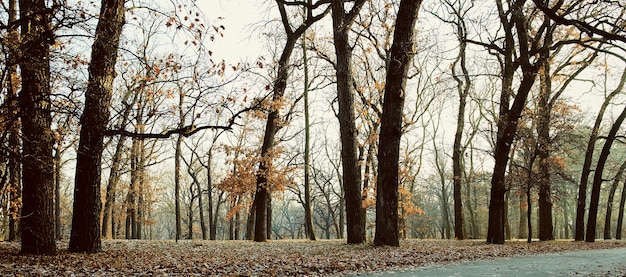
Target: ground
273	258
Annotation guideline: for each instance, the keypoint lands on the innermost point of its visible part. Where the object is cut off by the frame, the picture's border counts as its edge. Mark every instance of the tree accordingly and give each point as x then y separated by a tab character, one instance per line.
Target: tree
609	202
590	235
464	85
37	223
12	120
581	204
342	22
272	126
516	39
307	147
87	203
402	51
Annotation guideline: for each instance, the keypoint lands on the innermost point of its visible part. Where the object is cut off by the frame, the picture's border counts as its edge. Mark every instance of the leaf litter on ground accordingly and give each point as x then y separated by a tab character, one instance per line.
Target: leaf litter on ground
273	258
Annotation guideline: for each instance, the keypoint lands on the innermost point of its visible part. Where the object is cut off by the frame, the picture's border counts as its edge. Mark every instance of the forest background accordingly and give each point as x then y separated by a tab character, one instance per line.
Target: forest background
509	111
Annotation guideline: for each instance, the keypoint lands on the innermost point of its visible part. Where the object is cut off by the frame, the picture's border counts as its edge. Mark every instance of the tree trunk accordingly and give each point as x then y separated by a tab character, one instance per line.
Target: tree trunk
177	167
523	207
402	52
12	109
108	217
509	114
342	23
190	213
586	170
131	197
463	89
37	221
111	190
597	178
308	215
280	83
529	211
546	227
620	218
201	208
87	203
57	191
609	201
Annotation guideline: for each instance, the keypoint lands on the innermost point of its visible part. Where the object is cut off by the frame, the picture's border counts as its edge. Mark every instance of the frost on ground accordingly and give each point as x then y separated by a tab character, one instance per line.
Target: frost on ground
274	258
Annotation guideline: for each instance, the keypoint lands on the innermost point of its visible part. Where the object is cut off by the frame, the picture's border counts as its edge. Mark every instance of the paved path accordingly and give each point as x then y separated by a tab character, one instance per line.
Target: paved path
610	262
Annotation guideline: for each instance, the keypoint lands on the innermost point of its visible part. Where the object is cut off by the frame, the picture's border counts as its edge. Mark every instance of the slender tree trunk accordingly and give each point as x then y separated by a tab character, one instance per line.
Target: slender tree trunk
12	87
463	89
581	204
546	227
597	177
609	202
131	196
620	218
37	221
529	211
57	190
111	190
213	232
108	217
201	208
177	169
190	213
308	215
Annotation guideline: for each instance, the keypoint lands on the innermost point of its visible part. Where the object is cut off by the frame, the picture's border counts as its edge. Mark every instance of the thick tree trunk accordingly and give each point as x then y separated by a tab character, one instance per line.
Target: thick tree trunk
509	114
87	203
342	22
37	221
597	177
402	52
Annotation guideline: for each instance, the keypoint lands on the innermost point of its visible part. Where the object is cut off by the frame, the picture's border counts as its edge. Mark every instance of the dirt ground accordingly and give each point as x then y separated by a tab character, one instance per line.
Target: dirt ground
320	258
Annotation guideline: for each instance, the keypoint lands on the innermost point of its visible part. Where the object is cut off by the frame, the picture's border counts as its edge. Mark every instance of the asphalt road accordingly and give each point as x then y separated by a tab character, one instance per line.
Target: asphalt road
610	262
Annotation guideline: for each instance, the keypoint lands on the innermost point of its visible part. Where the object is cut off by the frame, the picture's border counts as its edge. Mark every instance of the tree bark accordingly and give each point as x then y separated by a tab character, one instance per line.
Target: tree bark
402	52
342	22
609	201
463	88
509	114
620	218
108	217
581	203
12	87
271	127
87	203
37	221
597	178
546	226
308	215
